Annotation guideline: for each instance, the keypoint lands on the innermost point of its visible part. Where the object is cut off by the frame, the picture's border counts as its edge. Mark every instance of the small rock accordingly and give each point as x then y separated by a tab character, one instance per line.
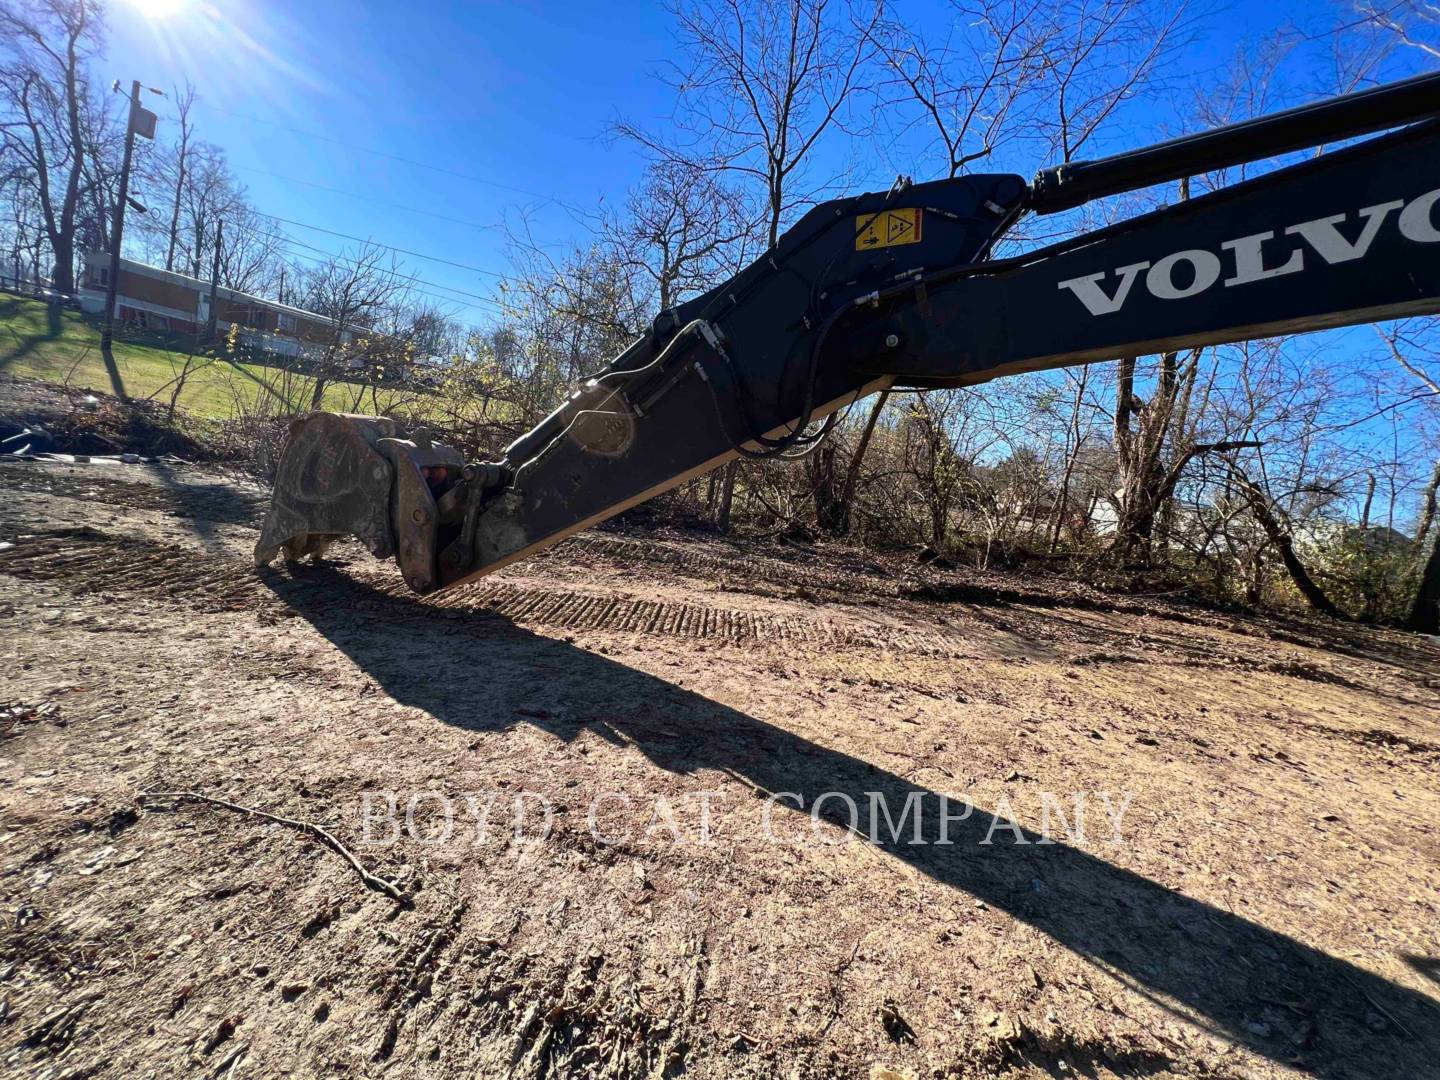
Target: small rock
1003	1027
96	862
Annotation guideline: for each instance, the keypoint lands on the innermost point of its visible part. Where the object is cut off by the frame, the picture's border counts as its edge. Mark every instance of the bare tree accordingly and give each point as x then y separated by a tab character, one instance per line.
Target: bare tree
43	81
1009	69
433	330
1411	345
1415	23
1074	444
969	91
760	84
1428	502
1141	441
184	106
934	430
209	195
683	229
975	90
1278	532
354	293
1150	463
100	170
252	255
1425	609
1098	54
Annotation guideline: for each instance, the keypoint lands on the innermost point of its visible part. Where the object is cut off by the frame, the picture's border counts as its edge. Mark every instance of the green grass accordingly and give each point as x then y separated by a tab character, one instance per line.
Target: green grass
62	346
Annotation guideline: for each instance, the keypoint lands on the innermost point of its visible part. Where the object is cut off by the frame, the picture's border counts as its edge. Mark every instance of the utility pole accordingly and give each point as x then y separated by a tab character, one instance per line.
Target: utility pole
282	284
214	282
140	121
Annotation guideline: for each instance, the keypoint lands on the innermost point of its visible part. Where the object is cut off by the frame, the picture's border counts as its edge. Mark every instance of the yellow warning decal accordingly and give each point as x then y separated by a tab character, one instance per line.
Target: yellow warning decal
889	228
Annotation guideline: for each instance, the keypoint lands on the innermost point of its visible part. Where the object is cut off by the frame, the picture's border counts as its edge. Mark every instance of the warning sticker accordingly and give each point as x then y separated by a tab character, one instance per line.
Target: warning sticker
889	228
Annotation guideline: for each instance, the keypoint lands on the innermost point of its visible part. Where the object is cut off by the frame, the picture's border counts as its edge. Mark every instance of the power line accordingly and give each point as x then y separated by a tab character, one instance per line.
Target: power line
365	198
392	157
480	302
290	242
376	243
285	239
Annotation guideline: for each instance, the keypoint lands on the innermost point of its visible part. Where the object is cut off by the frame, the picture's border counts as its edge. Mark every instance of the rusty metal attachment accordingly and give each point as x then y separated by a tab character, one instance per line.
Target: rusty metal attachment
345	475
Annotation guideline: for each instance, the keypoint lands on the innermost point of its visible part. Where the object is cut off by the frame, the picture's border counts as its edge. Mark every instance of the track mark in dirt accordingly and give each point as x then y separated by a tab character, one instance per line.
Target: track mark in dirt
941	592
413	977
832	578
171	495
86	562
564	609
1378	737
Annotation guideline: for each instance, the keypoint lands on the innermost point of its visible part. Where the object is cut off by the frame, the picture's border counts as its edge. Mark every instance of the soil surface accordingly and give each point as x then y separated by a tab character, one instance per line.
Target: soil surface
1247	887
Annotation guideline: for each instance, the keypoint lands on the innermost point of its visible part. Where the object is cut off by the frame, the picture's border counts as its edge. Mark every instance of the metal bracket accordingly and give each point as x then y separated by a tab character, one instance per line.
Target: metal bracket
414	516
478	478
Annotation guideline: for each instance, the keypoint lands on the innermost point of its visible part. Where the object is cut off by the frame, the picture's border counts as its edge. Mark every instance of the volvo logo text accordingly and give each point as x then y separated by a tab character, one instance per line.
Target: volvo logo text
1245	259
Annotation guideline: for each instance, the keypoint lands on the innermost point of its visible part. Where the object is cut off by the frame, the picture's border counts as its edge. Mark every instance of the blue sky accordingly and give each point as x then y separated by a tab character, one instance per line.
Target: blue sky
507	102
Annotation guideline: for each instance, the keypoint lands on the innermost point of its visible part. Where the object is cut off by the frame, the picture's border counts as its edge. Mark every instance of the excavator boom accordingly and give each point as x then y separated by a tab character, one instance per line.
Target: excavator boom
900	289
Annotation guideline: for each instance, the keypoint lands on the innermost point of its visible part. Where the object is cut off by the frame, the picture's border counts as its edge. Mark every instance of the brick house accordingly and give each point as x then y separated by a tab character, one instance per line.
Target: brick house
157	299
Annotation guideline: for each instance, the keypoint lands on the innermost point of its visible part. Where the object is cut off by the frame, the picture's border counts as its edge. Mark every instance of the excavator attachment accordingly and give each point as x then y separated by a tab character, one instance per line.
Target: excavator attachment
359	476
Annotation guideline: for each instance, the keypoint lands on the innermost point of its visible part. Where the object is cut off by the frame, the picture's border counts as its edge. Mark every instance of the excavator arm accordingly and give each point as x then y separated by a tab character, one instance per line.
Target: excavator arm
900	289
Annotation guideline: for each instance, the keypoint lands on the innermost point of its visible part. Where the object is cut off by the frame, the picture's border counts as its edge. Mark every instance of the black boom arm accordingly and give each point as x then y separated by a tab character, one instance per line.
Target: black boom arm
1349	237
900	289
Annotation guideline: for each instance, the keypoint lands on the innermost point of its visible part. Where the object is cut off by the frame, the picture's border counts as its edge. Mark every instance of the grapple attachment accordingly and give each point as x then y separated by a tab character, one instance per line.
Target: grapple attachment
344	475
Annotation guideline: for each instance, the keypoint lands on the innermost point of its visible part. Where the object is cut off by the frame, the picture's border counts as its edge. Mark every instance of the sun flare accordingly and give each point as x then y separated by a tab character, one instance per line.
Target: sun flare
159	9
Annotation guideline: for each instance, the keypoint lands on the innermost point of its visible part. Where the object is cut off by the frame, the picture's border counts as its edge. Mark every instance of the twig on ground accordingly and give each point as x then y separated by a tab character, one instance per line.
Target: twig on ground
834	986
231	1062
1383	1011
378	884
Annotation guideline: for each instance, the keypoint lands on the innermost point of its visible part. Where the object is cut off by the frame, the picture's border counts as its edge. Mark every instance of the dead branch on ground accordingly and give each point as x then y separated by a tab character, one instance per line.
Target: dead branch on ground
378	884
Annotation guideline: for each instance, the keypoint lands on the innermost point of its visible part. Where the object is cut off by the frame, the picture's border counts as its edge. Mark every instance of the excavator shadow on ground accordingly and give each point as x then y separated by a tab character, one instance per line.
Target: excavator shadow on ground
1168	947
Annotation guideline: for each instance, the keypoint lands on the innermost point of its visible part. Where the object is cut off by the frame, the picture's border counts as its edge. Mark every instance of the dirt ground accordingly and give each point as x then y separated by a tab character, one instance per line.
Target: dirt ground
1253	891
